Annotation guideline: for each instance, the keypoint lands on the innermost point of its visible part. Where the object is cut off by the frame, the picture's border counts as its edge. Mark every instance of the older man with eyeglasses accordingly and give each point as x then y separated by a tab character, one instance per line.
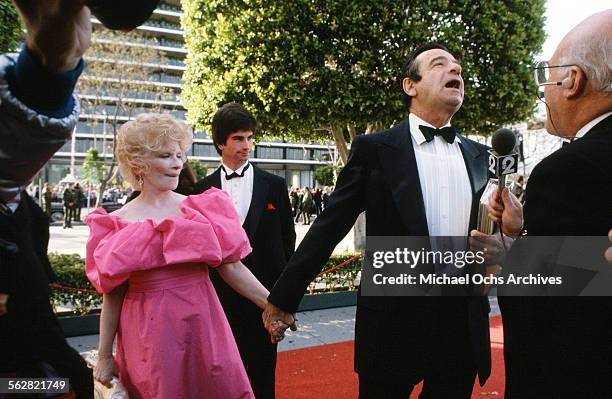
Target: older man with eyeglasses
560	347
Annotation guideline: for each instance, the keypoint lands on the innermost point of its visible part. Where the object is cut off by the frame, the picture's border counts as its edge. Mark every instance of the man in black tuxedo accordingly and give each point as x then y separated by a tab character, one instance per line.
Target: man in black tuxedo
263	206
405	179
558	347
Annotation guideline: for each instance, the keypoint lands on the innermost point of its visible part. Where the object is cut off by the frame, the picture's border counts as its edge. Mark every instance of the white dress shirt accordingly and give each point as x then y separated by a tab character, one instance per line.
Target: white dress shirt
445	184
240	189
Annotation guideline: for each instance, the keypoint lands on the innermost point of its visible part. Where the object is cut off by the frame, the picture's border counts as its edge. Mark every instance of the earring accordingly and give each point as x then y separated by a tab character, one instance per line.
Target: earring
140	181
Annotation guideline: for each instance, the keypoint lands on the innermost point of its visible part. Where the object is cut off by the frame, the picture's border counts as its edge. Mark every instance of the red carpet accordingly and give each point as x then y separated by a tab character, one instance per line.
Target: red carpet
326	371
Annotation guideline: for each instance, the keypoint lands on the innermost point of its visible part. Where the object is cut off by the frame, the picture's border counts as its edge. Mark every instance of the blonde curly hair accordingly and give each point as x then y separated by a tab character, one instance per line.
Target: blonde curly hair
144	135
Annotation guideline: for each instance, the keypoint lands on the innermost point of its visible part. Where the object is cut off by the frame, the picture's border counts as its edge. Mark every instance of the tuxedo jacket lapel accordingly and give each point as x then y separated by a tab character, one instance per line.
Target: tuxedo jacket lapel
477	174
260	192
216	178
400	171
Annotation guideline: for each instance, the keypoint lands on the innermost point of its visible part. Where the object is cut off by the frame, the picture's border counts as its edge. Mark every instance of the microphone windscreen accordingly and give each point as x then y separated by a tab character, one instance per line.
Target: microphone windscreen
122	14
503	141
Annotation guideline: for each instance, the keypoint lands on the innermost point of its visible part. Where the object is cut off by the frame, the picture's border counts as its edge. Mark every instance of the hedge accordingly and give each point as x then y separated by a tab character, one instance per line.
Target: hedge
70	272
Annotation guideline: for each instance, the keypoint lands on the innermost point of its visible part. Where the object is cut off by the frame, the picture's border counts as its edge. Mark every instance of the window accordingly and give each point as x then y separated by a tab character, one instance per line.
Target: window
298	153
203	150
269	152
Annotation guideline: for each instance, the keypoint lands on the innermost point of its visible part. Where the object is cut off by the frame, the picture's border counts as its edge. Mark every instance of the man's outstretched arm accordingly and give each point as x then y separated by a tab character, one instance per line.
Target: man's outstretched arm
345	204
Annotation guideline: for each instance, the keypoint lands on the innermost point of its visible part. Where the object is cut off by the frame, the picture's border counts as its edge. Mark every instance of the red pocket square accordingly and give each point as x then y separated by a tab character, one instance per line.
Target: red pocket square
270	206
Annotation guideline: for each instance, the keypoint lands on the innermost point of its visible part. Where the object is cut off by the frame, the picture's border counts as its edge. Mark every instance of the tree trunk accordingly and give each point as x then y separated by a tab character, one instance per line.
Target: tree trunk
352	131
112	172
99	192
338	134
359	233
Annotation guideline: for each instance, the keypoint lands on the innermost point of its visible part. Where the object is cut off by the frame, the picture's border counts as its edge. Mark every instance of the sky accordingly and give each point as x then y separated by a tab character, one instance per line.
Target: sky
563	15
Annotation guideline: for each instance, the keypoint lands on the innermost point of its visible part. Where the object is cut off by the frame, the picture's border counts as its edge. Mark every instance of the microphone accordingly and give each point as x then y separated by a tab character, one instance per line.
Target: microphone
503	159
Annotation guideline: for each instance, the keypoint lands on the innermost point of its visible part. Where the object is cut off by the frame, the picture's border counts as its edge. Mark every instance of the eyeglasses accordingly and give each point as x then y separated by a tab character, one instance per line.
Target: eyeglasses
541	73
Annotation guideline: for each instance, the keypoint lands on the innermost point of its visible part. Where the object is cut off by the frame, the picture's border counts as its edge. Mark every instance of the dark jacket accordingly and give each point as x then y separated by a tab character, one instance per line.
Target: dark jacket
559	346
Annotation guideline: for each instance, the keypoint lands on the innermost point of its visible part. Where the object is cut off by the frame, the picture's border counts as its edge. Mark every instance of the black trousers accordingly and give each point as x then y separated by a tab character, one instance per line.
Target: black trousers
447	368
257	352
68	215
30	335
443	383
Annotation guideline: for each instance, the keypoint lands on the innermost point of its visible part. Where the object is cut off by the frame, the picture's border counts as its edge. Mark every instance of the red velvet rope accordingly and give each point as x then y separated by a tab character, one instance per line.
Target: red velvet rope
72	289
339	266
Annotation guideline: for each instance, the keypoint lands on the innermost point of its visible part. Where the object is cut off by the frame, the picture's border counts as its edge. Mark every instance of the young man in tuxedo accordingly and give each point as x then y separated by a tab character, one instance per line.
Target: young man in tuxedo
560	346
263	206
418	178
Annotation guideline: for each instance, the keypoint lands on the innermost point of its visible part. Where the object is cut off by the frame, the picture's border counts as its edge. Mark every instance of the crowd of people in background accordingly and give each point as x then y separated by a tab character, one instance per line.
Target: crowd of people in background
306	202
71	198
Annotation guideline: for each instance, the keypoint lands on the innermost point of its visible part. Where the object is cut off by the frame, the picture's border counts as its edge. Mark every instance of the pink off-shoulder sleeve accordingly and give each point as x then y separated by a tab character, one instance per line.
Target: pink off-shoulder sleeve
210	233
216	206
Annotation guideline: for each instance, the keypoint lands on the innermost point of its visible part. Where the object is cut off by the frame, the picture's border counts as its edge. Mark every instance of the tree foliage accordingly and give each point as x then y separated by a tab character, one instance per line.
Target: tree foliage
93	166
322	69
10	28
327	175
115	87
200	169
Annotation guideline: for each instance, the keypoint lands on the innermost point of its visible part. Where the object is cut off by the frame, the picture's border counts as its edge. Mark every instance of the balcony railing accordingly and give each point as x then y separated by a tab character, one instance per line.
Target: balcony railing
112	99
167	66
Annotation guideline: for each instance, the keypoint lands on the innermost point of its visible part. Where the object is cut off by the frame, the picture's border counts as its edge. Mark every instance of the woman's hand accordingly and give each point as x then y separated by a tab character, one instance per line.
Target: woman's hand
105	370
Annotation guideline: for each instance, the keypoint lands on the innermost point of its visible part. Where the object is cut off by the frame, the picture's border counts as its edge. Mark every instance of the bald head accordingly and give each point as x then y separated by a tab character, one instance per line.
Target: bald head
589	45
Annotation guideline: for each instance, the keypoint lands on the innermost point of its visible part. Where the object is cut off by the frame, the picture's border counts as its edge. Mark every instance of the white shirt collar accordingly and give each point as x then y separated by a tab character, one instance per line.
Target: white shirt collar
584	130
230	170
416	133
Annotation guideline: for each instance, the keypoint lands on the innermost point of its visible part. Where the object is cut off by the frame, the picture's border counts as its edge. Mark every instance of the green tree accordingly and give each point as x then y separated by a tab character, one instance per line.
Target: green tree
328	69
93	166
327	175
10	28
199	168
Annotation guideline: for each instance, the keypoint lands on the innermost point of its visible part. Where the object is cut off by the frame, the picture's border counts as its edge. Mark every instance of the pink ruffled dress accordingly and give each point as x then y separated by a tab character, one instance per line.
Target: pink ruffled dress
173	339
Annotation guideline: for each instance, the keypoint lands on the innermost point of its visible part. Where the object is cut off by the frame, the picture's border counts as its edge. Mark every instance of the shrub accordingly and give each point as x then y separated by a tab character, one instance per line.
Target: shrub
70	272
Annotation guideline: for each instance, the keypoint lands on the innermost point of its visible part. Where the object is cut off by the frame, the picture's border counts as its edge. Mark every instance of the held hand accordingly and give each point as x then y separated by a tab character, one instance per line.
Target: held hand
278	333
58	31
276	321
105	370
3	302
510	213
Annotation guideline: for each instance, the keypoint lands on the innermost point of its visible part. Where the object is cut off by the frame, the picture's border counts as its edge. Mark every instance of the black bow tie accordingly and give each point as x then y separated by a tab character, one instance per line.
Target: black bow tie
448	133
234	174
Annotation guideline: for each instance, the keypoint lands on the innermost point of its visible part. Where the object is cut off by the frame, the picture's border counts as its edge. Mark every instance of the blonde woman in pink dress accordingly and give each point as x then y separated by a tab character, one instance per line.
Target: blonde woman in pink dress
151	258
